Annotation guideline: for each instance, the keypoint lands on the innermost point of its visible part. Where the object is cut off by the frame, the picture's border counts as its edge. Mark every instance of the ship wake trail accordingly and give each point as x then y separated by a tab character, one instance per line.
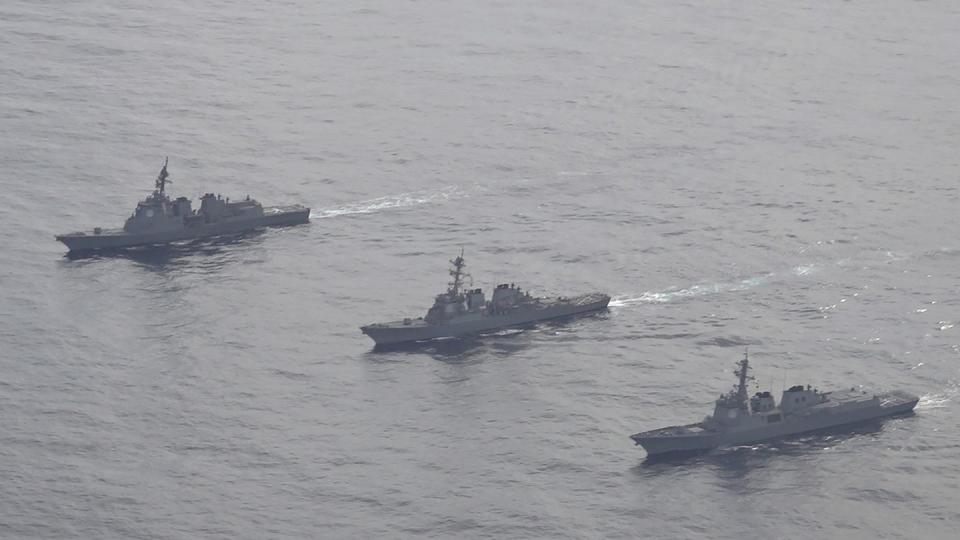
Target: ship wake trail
673	294
939	400
402	200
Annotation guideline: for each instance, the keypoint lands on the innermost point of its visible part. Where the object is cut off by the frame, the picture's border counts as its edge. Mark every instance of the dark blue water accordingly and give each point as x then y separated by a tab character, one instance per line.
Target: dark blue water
780	176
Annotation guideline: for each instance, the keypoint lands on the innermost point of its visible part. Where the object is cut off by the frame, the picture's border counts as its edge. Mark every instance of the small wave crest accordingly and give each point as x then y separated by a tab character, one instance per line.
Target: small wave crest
402	200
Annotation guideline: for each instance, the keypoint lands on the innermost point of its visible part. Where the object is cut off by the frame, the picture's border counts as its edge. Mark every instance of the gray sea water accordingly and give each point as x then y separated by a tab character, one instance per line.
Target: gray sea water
780	175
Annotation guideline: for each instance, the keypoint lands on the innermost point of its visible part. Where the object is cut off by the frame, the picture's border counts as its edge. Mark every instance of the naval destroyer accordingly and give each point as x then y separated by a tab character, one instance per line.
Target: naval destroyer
462	311
740	419
160	220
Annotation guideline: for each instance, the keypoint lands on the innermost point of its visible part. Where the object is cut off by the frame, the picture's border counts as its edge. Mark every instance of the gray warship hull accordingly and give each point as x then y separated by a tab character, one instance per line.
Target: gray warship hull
107	239
699	437
412	330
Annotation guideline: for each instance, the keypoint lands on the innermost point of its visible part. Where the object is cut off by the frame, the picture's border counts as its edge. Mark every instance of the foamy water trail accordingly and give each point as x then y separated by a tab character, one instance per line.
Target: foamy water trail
412	198
582	173
673	294
940	400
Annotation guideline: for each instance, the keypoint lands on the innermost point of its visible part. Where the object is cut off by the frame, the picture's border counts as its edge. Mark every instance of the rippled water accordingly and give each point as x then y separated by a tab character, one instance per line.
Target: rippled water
782	176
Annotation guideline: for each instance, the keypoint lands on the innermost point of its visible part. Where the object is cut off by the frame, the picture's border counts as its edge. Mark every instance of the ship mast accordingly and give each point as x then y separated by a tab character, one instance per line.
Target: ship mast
741	372
457	274
162	177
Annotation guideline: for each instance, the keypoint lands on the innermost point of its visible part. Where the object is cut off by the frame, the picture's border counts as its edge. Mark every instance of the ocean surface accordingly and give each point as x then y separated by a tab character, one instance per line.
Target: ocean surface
783	176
